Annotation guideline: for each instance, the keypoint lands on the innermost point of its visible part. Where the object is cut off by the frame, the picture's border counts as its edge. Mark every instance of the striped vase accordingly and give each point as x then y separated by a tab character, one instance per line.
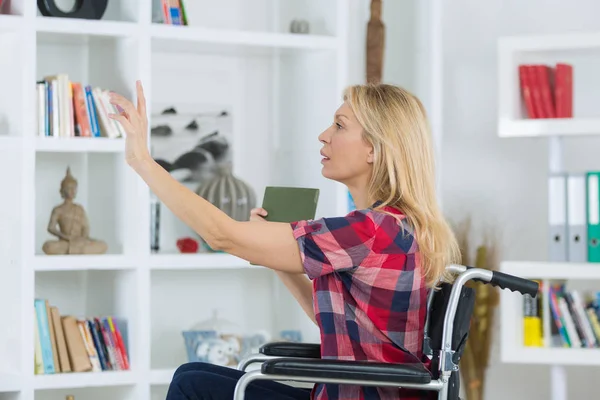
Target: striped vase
230	194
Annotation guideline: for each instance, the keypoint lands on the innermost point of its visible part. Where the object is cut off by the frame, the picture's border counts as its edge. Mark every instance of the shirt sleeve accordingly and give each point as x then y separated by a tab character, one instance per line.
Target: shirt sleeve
335	244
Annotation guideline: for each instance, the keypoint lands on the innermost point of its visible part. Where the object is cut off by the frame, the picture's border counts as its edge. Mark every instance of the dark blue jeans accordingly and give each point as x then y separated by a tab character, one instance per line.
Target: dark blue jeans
202	381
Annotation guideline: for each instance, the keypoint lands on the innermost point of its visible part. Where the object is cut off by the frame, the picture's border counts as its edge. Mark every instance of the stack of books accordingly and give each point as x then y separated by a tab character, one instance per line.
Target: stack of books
172	13
547	91
574	318
70	109
64	343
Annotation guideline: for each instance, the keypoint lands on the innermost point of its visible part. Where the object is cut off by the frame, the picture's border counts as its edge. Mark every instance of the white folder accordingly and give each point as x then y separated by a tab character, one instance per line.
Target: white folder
557	217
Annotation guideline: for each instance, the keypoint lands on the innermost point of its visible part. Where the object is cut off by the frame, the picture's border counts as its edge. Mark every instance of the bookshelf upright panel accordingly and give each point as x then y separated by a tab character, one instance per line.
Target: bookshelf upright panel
11	82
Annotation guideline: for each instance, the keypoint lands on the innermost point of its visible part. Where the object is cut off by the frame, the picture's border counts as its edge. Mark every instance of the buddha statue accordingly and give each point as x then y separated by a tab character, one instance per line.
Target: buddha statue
69	223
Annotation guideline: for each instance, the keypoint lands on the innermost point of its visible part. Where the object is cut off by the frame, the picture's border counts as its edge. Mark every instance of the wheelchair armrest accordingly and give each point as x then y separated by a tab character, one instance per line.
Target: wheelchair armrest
288	349
354	370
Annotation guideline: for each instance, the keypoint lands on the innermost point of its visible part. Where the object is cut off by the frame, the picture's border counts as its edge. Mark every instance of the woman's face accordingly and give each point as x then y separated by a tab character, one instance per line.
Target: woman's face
347	157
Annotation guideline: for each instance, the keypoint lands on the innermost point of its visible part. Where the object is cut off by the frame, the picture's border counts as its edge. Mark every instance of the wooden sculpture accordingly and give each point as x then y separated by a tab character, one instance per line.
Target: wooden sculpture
69	223
475	359
375	43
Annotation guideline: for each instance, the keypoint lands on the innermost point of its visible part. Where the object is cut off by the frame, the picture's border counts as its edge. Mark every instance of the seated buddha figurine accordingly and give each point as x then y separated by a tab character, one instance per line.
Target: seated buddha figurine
69	223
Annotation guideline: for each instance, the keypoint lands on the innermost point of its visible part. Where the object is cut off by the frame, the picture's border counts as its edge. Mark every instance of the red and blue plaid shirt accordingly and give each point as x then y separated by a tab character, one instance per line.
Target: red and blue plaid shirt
370	294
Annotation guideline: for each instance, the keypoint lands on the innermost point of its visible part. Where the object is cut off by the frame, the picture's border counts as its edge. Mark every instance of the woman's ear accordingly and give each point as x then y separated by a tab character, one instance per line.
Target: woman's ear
371	155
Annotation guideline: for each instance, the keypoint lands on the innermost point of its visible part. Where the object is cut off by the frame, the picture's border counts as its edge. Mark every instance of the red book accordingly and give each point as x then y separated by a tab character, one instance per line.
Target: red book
544	79
80	109
526	92
563	90
536	91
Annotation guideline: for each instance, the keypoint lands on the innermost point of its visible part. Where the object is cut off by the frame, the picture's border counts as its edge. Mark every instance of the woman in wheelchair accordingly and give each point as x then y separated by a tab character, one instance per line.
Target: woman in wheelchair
363	278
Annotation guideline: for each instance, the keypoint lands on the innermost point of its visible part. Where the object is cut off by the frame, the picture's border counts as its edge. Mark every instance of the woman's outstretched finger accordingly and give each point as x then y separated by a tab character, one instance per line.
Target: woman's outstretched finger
141	99
124	121
127	106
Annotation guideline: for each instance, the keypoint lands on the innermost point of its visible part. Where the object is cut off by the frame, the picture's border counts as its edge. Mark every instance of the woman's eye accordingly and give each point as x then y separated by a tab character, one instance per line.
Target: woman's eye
338	125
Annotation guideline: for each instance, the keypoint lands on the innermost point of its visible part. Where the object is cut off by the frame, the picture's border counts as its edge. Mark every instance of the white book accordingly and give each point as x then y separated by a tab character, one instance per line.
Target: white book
41	109
55	110
106	126
571	330
578	307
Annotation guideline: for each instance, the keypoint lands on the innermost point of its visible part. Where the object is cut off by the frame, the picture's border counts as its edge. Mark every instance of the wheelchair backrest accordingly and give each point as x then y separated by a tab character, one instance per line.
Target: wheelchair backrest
436	313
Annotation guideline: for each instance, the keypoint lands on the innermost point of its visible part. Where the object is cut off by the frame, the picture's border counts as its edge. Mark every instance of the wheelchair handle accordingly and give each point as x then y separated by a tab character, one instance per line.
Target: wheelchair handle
511	282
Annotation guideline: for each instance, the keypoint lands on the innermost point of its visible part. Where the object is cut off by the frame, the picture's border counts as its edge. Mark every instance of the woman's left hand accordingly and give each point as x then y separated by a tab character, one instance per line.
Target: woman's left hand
135	122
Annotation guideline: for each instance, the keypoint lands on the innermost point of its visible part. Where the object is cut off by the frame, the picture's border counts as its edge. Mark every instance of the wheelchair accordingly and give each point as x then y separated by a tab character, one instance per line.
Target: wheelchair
449	311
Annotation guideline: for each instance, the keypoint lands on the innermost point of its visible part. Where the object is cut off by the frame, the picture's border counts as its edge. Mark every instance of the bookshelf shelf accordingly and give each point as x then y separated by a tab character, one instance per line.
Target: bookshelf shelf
553	356
84	379
550	43
242	38
79	145
549	127
552	270
197	261
81	28
83	262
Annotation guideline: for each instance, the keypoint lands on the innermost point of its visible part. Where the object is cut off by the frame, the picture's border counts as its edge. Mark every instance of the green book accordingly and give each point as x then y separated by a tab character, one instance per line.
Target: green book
290	204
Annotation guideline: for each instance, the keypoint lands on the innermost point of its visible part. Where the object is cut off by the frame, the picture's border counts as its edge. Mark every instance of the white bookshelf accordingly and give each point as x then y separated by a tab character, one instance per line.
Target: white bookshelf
580	50
582	276
282	89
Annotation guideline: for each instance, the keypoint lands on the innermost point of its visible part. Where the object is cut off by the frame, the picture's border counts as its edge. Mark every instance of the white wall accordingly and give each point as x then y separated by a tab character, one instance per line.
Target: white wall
501	182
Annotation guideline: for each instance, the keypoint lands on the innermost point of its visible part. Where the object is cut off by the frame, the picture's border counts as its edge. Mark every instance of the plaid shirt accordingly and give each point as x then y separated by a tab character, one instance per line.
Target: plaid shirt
370	297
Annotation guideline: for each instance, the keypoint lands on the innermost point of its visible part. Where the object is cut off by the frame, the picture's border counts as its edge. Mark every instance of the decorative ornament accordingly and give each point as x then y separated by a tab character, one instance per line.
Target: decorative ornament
230	194
299	26
475	359
83	9
375	44
187	245
221	342
70	225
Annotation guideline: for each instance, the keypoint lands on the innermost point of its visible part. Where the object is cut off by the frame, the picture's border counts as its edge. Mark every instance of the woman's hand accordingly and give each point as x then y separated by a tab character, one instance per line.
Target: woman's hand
135	122
258	214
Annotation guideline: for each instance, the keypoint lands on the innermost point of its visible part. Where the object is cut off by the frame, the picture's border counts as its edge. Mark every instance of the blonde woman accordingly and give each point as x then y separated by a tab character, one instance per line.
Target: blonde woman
362	278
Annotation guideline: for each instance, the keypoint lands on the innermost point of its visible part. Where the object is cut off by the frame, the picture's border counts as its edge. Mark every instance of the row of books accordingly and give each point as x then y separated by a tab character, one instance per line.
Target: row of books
172	12
574	318
547	91
574	216
64	343
70	109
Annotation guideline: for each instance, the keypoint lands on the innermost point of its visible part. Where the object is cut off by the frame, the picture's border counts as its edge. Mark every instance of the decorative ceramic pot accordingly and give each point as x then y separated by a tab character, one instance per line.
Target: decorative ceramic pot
218	341
230	194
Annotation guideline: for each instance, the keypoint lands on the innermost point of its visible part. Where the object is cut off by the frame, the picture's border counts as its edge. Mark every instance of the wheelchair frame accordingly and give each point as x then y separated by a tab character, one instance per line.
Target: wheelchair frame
446	365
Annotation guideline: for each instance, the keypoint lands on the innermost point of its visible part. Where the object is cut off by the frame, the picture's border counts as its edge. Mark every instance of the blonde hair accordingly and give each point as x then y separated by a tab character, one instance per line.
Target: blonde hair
395	124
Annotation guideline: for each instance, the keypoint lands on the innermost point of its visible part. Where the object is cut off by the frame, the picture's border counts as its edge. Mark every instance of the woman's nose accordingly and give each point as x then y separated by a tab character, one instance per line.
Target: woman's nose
324	136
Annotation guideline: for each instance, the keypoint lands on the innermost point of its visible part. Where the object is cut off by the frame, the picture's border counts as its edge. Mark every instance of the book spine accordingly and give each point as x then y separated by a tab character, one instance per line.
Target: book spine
105	346
97	343
56	122
558	319
119	341
89	346
112	344
92	111
43	325
38	357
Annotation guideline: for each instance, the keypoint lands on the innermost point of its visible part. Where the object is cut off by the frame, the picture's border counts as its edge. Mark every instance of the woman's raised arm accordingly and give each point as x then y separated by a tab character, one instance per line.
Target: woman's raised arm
269	244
